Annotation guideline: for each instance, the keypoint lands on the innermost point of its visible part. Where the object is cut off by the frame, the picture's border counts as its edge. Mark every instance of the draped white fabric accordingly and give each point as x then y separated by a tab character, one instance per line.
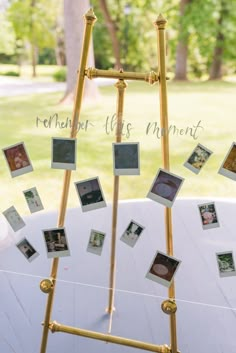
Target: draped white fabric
206	315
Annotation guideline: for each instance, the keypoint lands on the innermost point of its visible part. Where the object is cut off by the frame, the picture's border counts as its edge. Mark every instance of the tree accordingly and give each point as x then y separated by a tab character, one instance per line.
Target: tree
7	36
182	46
33	22
218	54
73	27
112	29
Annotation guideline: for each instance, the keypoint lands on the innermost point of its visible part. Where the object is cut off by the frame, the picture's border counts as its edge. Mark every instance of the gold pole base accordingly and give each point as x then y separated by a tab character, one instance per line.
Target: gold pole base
56	327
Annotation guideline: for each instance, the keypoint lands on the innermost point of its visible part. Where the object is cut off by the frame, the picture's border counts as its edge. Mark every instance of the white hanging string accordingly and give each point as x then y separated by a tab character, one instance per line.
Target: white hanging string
122	290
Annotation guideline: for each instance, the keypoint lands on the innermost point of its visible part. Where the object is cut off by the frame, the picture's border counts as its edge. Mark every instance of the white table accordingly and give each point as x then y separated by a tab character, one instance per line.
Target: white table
206	315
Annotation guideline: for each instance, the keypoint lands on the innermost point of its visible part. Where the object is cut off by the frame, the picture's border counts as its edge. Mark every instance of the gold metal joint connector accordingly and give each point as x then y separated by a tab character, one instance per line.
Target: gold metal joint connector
54	326
152	78
121	84
90	16
169	307
46	285
91	72
165	349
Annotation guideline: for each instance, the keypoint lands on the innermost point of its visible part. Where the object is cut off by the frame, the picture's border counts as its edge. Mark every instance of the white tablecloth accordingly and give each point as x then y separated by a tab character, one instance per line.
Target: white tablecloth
206	315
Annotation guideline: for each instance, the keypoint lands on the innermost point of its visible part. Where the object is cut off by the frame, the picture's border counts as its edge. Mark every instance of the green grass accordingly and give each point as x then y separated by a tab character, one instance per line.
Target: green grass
213	104
44	72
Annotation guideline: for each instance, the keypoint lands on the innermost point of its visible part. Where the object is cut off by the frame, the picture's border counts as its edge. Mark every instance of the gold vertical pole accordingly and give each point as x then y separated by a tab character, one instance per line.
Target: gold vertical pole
90	19
160	24
121	86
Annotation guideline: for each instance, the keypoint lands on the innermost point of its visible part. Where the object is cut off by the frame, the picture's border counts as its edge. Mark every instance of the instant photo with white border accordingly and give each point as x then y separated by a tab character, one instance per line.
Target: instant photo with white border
160	185
95	243
21	166
126	160
63	153
132	233
210	219
56	242
188	165
87	194
224	171
33	200
225	270
13	218
162	269
27	249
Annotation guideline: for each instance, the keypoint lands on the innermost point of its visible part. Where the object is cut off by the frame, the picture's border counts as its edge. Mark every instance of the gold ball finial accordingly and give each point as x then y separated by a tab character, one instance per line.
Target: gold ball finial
160	22
169	307
46	285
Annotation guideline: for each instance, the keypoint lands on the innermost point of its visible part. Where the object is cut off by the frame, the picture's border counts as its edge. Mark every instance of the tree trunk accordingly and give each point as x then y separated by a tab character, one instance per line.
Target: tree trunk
182	48
112	29
217	62
34	56
74	11
216	66
32	42
60	52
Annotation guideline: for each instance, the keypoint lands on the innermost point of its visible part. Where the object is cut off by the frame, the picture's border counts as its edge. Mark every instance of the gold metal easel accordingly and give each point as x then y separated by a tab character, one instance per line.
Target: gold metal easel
48	285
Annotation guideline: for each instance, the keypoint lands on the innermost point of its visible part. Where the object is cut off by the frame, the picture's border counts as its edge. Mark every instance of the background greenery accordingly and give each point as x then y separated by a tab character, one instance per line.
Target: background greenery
32	32
211	103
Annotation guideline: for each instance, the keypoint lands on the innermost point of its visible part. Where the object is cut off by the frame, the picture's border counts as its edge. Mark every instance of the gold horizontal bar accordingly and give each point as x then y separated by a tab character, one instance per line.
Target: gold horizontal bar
150	77
56	327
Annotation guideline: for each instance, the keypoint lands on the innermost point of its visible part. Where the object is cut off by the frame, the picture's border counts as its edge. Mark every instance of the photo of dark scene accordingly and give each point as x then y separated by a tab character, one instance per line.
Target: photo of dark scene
63	151
164	266
55	240
166	185
26	249
126	156
230	163
89	192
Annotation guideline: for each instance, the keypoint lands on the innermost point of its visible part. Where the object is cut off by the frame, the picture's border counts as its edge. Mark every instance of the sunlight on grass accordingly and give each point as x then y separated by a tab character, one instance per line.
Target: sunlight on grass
211	106
44	72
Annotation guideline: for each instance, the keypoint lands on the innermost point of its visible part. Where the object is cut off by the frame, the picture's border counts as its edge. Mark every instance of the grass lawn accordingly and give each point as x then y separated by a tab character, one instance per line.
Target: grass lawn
44	72
211	106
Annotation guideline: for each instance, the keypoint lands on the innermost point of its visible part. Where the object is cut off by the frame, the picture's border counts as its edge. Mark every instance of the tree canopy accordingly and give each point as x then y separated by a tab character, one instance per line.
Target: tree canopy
124	33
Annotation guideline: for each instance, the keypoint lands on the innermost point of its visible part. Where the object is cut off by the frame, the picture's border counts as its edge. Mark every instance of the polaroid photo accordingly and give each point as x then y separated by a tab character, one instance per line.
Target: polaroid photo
132	233
90	194
126	158
14	219
33	200
17	159
163	268
56	242
27	249
228	167
198	158
96	241
63	153
208	215
226	264
165	187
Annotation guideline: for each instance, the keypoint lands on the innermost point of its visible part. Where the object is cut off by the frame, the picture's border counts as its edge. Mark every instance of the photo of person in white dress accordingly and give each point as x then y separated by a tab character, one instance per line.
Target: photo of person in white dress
132	233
